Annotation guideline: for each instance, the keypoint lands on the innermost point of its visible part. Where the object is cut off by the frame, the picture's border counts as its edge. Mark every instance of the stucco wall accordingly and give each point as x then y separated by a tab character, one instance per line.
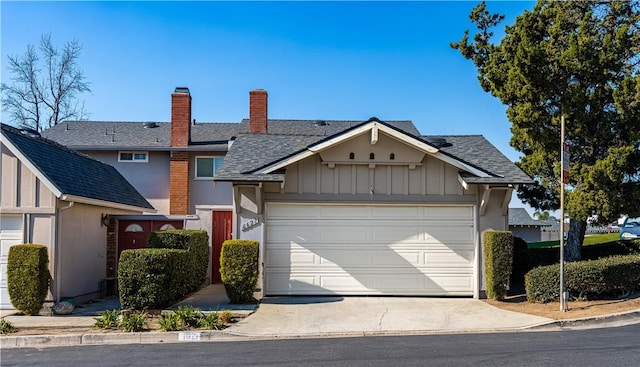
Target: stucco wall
82	250
206	191
529	234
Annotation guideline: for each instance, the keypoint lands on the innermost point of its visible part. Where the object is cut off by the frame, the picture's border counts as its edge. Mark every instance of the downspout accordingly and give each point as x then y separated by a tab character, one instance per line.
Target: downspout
57	270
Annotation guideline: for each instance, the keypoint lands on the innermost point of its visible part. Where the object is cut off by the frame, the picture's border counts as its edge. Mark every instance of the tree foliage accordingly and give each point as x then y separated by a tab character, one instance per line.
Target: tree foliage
599	43
45	84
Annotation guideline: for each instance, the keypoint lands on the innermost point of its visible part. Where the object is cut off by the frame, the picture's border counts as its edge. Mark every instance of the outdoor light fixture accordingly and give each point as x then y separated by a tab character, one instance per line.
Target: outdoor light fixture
564	179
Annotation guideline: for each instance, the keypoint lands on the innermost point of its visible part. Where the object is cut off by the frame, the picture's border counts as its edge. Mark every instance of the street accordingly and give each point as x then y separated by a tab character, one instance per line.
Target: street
595	347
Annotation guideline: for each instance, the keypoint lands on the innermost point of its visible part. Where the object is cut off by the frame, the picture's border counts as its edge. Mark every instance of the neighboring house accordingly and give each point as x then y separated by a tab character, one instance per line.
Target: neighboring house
53	196
522	225
339	207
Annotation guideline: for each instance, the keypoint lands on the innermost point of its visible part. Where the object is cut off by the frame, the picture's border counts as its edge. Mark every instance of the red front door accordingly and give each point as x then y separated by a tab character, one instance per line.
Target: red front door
221	232
132	235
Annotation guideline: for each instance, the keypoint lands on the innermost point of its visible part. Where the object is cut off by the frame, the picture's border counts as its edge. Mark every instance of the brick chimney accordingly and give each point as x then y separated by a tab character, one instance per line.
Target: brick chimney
258	111
179	178
180	117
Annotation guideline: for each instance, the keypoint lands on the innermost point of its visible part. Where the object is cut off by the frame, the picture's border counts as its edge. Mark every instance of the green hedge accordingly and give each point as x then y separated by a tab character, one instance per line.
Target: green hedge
584	278
239	269
155	277
28	277
498	258
151	278
196	241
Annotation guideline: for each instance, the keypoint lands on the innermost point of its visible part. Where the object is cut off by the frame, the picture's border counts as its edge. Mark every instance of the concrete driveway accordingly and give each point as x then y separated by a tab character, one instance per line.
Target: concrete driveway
312	316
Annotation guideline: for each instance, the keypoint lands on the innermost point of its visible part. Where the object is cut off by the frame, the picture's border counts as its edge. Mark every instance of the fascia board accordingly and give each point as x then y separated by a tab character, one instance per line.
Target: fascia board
108	204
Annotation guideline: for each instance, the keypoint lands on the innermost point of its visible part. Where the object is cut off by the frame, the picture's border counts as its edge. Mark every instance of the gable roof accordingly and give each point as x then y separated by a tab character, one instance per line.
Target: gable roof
520	217
70	175
259	157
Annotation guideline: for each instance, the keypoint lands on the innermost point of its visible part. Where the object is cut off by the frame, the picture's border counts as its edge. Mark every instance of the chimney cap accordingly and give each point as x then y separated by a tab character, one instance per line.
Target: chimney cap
181	90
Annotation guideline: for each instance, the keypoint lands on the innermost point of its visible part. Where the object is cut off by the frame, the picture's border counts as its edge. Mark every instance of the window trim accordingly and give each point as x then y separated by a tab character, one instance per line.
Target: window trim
215	167
133	156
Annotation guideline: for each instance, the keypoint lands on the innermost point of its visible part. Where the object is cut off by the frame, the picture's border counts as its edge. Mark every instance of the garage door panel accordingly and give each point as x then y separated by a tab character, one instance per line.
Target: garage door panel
10	235
359	249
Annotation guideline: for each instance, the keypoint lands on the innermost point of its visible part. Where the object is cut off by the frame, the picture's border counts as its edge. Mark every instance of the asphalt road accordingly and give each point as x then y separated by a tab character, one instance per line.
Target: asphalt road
594	347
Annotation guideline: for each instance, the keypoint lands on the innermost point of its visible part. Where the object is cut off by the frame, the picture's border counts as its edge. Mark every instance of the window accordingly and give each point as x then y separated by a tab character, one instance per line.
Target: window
206	167
135	228
133	157
167	227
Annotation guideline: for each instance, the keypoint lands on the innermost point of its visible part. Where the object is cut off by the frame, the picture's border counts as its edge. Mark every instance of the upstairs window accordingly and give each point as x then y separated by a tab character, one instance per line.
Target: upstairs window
206	167
133	157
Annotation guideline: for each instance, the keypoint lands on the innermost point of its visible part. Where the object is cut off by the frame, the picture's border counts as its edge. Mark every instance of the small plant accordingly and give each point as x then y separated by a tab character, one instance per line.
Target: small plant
133	322
212	321
107	320
189	315
225	316
6	327
171	322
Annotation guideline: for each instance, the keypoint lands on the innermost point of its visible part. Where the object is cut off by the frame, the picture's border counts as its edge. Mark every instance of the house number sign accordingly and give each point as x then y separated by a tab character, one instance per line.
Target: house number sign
250	224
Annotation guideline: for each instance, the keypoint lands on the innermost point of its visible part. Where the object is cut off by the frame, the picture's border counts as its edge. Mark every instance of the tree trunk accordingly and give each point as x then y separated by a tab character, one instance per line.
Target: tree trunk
574	240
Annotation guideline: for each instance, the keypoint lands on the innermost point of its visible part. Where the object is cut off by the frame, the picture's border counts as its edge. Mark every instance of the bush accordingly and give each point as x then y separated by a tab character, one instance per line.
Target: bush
28	277
239	269
498	257
171	322
175	265
151	278
6	327
584	278
195	241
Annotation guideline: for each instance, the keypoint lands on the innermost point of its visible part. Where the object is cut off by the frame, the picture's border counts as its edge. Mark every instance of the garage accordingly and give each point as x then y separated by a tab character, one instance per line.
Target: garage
333	249
10	234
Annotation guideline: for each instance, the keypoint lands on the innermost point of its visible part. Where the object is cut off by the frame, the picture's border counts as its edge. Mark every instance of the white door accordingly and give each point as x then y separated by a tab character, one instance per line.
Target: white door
10	234
314	249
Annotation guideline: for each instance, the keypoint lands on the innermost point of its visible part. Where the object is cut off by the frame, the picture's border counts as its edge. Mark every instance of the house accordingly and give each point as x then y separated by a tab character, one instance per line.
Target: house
339	207
522	225
56	197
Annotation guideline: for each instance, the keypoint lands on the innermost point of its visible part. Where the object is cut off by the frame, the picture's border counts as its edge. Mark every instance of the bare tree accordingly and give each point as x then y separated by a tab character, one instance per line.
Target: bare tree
45	86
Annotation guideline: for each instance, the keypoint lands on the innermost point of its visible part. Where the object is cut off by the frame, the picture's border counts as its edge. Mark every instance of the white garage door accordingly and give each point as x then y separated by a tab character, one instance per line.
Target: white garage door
10	234
369	249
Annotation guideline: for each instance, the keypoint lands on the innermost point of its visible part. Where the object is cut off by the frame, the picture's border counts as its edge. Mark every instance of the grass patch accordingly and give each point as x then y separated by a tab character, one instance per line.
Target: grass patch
596	239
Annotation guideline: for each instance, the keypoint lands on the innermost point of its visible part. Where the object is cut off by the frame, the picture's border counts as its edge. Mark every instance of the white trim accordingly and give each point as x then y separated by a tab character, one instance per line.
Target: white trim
215	208
103	203
133	156
398	135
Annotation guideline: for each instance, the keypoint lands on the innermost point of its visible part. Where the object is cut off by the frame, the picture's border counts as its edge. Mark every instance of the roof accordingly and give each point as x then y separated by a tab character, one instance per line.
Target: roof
252	152
114	135
479	161
73	175
479	152
520	217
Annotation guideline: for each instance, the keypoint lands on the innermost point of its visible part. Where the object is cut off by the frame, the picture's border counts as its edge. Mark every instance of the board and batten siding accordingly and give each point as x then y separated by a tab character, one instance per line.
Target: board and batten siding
431	177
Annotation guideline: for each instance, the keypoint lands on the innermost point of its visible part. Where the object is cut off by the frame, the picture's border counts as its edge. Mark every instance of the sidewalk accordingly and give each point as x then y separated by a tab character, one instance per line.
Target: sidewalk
302	317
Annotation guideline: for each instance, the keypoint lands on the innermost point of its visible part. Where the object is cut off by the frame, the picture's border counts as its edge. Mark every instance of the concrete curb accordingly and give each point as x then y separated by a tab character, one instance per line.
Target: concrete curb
596	321
88	338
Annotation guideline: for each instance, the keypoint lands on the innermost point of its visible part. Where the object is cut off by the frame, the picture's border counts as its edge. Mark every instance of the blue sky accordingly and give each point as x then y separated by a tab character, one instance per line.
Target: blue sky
317	60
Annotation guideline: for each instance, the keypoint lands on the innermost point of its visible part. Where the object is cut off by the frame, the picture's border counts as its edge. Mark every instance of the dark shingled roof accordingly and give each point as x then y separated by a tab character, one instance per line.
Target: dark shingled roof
73	173
285	138
478	152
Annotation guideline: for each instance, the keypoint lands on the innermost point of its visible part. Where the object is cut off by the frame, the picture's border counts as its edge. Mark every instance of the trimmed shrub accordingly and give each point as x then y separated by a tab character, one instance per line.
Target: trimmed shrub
151	278
175	265
28	277
498	257
239	269
196	241
584	278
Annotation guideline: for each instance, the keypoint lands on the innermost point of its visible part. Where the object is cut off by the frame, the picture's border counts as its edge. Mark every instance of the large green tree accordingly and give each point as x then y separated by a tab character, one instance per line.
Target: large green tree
527	70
